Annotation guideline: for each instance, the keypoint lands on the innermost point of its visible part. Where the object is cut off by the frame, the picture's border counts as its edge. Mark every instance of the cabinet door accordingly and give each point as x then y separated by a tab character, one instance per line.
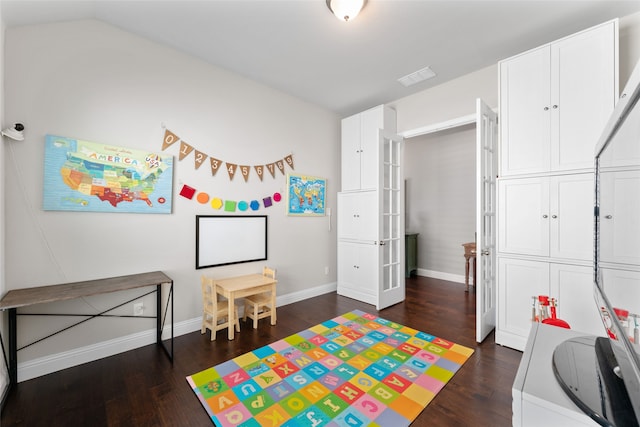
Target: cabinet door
524	113
357	271
571	217
351	153
358	216
523	222
518	282
619	225
622	288
371	122
583	94
625	151
572	285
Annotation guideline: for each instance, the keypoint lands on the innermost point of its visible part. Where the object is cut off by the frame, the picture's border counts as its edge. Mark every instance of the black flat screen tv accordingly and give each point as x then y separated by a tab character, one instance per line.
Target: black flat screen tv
607	386
230	239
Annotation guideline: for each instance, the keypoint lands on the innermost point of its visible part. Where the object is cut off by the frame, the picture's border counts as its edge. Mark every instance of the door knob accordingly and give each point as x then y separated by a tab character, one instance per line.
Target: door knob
485	252
608	216
545	216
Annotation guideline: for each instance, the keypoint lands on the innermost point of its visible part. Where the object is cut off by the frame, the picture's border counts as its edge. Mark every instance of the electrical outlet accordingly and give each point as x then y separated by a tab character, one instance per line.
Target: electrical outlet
138	309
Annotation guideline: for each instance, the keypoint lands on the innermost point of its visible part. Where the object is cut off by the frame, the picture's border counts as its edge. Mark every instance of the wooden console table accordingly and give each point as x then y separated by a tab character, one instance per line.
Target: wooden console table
469	254
17	298
242	286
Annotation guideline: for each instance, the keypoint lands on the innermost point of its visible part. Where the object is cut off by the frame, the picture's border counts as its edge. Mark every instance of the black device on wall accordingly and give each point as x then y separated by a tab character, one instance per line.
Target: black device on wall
230	239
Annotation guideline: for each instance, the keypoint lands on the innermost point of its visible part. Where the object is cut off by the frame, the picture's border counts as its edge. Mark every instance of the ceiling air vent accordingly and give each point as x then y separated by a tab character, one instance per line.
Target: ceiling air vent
416	77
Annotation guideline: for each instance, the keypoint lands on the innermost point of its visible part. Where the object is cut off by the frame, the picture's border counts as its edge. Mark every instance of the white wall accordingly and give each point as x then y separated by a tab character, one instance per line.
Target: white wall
629	45
440	170
4	376
440	199
91	81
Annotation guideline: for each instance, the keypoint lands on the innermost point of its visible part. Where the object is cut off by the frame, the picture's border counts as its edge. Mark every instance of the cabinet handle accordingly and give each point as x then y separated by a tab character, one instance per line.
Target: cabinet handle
608	216
546	108
485	253
554	216
555	106
545	216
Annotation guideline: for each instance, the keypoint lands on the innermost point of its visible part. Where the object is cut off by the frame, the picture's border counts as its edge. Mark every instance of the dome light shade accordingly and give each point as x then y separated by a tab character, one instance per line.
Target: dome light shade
346	10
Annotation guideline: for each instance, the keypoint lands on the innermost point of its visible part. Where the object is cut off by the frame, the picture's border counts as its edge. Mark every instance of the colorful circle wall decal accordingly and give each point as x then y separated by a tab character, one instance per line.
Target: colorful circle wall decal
202	198
228	205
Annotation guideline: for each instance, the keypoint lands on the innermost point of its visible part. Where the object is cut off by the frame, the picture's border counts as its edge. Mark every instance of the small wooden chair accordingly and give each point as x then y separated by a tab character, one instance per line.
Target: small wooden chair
214	312
258	306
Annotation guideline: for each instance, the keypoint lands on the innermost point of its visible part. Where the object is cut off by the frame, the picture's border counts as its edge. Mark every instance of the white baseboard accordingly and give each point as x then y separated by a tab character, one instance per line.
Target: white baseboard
440	275
67	359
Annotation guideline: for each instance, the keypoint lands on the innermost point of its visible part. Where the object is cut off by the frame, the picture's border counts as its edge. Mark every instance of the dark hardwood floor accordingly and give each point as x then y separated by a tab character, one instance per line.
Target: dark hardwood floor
142	388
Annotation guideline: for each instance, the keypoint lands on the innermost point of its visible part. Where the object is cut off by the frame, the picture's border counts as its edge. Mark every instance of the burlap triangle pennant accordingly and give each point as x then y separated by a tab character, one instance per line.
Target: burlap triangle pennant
215	165
244	170
271	167
260	171
169	139
280	165
289	160
185	150
200	158
231	169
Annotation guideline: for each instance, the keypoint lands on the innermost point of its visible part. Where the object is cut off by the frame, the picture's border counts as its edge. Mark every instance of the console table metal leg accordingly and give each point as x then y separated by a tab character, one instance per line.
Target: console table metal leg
159	314
13	347
160	319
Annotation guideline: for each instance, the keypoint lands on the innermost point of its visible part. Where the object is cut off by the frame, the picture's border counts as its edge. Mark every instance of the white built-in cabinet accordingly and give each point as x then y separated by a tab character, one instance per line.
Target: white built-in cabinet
520	279
360	161
550	216
358	216
554	103
356	270
359	207
619	207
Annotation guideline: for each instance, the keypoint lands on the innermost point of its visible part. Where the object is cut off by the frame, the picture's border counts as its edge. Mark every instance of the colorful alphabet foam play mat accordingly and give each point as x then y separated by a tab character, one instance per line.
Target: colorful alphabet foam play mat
354	370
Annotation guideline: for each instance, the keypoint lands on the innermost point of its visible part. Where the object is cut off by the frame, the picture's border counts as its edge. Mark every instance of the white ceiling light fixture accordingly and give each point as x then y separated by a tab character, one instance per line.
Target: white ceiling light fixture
346	10
417	77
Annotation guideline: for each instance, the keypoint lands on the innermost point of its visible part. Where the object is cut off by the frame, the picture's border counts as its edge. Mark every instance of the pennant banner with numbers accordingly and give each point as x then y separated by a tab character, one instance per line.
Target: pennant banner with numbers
200	157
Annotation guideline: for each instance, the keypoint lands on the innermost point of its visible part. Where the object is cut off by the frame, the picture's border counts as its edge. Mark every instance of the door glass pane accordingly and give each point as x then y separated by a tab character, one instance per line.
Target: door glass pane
386	226
386	176
386	279
395	251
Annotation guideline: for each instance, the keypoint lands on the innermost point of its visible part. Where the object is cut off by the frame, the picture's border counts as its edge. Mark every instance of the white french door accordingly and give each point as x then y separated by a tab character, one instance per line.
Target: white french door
487	172
391	282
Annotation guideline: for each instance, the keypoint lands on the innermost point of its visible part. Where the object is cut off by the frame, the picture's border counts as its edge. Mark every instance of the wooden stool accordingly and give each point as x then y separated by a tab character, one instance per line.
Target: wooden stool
469	253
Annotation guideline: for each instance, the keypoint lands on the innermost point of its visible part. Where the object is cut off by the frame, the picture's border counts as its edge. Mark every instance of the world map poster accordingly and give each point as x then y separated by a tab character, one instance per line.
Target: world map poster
87	176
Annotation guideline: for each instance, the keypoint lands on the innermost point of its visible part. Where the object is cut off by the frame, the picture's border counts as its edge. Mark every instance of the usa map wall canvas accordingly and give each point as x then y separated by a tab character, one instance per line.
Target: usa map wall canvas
88	176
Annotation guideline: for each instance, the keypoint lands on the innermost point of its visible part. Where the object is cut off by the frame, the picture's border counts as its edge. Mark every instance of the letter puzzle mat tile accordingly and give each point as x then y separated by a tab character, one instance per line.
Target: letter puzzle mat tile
354	370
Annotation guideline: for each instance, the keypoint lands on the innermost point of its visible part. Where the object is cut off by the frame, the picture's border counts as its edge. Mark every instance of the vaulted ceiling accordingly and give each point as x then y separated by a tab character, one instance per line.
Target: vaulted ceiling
299	47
